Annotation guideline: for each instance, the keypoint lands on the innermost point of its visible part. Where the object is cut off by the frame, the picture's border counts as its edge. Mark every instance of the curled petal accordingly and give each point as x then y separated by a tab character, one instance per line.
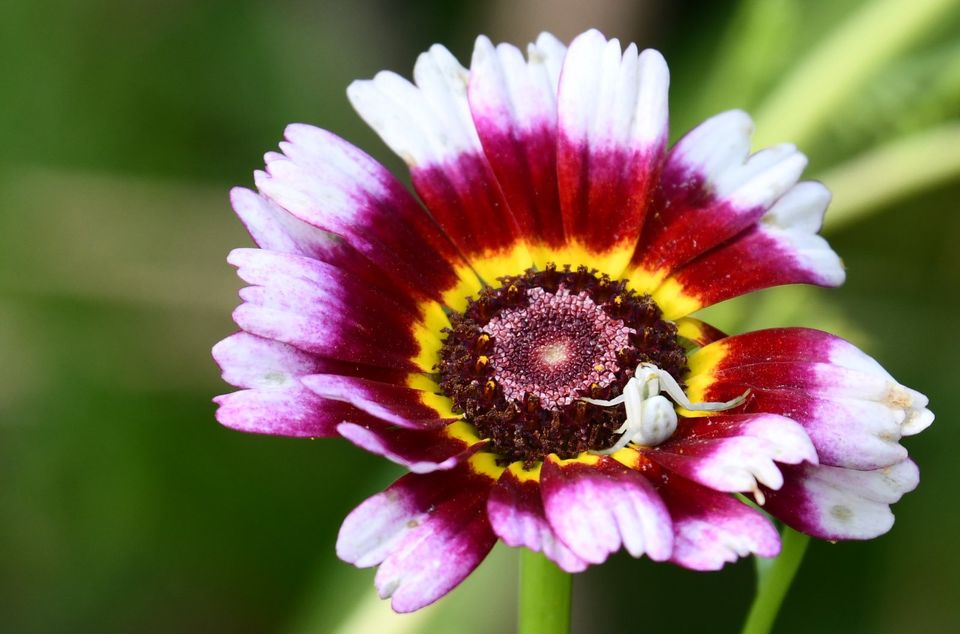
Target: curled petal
275	229
407	407
727	224
275	400
835	503
853	410
712	189
322	310
293	411
329	184
250	361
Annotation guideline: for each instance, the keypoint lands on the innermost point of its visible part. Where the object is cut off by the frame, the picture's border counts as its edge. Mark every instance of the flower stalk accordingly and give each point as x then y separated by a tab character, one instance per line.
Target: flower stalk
773	581
544	595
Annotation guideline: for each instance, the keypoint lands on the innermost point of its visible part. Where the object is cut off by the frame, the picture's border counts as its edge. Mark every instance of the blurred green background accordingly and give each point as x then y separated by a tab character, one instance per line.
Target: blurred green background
124	506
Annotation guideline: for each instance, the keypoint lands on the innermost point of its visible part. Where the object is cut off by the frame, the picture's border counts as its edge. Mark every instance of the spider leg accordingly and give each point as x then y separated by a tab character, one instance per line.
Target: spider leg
671	387
602	403
620	444
631	385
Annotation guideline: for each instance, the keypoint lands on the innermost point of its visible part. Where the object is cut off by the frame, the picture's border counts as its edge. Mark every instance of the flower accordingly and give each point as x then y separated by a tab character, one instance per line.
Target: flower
524	346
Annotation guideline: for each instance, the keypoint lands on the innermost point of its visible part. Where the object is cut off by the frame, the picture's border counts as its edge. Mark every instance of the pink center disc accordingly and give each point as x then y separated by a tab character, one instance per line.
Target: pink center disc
556	347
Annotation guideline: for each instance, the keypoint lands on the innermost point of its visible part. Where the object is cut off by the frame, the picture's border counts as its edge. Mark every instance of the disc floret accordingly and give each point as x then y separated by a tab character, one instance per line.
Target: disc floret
521	358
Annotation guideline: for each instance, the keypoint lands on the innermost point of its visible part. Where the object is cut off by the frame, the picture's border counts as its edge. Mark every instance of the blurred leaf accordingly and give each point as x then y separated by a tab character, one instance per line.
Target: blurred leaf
347	603
912	95
836	68
153	252
757	43
873	181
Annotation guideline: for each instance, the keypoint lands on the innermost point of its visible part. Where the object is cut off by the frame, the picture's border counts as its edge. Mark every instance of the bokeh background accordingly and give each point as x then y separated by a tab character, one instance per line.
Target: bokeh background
124	507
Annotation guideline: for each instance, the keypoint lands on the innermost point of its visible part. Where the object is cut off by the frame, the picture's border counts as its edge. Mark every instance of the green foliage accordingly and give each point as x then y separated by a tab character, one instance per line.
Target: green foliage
912	95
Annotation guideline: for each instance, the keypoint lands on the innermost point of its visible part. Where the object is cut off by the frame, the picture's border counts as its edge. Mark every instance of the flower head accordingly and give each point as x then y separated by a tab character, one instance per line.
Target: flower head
521	342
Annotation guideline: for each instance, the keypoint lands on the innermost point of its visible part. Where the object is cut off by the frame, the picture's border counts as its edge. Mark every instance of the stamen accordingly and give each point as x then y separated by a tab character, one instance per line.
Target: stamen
759	496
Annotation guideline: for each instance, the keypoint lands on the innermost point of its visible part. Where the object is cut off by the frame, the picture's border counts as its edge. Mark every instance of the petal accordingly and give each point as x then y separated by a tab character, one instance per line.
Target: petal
612	111
781	248
712	529
419	450
699	332
517	517
407	407
598	506
513	103
323	310
712	189
275	229
853	410
291	411
254	362
429	125
834	503
331	185
276	402
427	533
734	452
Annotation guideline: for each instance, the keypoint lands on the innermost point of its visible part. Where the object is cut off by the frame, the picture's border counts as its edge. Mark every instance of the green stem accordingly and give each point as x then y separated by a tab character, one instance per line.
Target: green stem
773	581
544	595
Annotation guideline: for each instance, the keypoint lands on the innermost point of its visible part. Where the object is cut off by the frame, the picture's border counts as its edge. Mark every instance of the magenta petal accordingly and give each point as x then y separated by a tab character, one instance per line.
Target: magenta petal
250	361
276	402
428	124
420	451
328	183
761	257
517	517
712	190
844	411
612	134
597	508
427	532
712	529
513	103
434	559
394	404
322	310
275	229
293	411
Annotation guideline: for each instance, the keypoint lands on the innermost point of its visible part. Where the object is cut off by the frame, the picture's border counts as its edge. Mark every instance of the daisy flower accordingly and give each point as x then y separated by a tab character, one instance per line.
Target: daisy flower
520	338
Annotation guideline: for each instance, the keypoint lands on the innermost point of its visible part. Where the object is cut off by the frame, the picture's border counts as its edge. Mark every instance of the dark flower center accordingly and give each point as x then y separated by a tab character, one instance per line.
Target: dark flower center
520	356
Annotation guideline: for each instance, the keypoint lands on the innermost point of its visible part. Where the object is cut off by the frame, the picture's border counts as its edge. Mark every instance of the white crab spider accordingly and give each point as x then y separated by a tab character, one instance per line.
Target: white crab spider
651	418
